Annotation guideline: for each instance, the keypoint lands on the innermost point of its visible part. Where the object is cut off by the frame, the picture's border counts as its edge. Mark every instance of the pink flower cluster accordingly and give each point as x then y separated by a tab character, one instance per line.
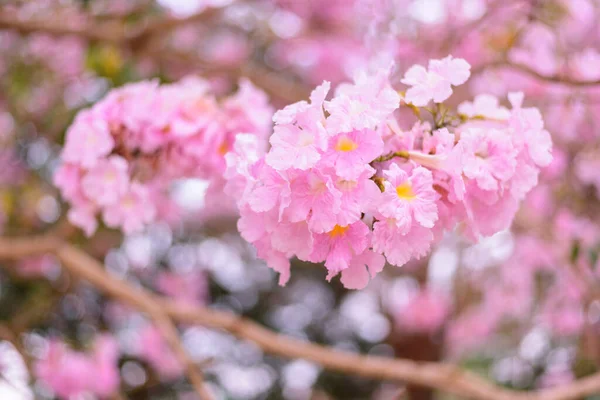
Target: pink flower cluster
344	184
70	374
153	348
121	156
426	312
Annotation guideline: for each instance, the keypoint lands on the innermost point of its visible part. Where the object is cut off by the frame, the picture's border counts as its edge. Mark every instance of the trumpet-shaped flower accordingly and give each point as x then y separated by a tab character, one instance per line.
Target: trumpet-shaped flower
408	198
436	82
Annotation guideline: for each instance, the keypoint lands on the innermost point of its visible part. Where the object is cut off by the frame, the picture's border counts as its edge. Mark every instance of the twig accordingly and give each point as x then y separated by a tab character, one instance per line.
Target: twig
527	70
440	376
112	32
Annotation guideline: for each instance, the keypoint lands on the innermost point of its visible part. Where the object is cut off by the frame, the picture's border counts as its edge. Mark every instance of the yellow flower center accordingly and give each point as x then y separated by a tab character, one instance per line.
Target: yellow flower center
345	144
338	231
223	149
405	191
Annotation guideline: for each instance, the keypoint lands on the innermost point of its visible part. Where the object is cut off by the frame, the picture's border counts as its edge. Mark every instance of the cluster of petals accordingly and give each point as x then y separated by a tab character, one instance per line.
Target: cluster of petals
70	374
343	184
121	156
435	83
153	349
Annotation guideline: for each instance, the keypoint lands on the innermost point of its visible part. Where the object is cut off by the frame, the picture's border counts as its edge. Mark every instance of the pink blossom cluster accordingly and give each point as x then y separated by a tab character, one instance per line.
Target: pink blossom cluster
153	348
343	183
426	312
70	373
121	156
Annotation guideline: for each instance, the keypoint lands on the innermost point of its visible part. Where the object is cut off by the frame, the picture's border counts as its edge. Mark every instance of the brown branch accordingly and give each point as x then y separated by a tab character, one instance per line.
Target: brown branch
112	32
85	267
137	38
534	74
440	376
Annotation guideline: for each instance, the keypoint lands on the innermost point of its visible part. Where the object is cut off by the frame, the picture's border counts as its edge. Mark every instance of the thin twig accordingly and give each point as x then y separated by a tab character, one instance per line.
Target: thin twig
112	32
533	73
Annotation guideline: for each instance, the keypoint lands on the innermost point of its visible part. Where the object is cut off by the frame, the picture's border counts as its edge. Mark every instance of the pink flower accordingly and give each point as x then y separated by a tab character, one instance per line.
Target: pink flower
488	156
357	197
84	216
133	210
293	147
270	188
153	348
350	153
293	238
528	127
315	199
88	139
487	212
105	356
408	197
106	181
361	268
400	248
68	179
425	312
436	82
276	260
485	106
364	105
190	288
63	371
71	374
338	246
153	135
303	114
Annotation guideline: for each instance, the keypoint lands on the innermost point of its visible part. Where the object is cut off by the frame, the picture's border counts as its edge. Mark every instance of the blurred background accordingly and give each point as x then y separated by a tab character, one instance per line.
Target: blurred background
521	308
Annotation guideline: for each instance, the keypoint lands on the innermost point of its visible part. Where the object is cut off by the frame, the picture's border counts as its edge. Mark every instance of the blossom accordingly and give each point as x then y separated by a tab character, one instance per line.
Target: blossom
351	152
435	83
68	179
363	104
353	190
84	216
484	106
339	245
529	125
69	373
152	347
358	196
425	312
122	156
294	147
489	156
362	267
132	211
88	139
400	248
106	181
408	197
315	199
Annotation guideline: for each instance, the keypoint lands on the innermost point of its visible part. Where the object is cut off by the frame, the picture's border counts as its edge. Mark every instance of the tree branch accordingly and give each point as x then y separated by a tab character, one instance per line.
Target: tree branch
137	38
112	32
440	376
85	267
534	74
